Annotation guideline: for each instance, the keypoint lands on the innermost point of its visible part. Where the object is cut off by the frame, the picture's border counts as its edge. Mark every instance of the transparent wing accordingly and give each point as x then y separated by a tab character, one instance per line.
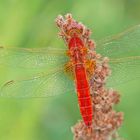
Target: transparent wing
43	85
125	44
32	58
123	50
124	70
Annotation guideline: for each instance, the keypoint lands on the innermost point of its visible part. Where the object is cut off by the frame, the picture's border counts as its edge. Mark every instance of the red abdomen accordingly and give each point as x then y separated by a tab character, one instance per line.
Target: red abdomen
83	93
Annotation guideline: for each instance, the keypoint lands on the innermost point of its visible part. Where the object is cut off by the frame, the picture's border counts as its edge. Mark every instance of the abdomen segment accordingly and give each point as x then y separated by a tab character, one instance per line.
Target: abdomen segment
83	93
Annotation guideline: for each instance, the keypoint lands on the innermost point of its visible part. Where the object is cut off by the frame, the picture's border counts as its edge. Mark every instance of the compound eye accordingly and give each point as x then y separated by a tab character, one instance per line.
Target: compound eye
74	32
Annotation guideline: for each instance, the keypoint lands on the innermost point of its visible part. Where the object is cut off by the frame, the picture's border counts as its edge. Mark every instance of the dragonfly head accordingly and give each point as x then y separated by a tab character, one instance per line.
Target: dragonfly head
74	32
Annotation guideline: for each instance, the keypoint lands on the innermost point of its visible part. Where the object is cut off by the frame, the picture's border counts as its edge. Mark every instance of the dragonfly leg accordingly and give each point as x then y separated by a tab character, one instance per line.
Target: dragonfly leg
90	67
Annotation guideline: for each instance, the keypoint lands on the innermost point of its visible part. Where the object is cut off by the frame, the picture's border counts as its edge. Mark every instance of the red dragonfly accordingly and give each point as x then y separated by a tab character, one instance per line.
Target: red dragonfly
122	50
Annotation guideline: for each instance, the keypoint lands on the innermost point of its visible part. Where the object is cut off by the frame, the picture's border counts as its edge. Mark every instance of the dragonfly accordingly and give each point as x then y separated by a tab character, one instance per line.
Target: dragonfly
122	50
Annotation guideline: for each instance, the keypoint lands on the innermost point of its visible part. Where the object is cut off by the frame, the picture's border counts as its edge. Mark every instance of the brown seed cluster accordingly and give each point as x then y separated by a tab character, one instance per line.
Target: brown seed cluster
106	120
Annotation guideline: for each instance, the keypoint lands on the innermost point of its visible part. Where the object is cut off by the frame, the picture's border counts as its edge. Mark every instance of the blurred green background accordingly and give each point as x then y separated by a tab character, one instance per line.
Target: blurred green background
31	24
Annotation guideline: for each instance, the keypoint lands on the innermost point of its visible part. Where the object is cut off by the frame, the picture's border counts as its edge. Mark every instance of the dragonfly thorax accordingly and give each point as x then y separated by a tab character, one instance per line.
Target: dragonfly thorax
76	49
